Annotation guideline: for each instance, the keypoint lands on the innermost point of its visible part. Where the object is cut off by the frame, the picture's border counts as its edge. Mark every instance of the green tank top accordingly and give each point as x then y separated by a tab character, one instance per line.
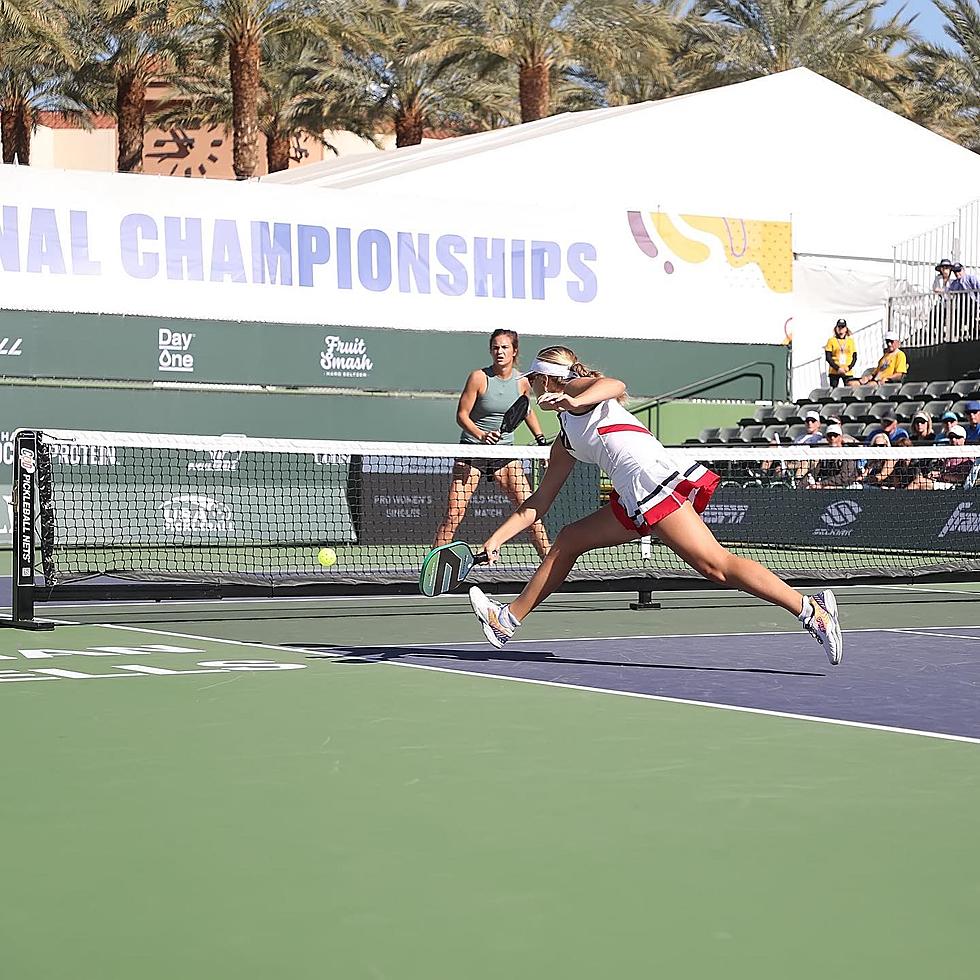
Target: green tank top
488	409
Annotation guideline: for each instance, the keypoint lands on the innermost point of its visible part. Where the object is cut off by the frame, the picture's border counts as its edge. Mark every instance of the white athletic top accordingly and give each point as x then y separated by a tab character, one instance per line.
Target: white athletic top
642	471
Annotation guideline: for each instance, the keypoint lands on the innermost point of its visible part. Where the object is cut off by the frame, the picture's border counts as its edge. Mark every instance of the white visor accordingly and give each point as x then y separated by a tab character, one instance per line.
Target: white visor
551	370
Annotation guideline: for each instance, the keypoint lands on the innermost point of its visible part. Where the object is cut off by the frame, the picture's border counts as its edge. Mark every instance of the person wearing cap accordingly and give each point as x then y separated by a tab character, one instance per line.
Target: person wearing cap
949	473
841	354
893	365
963	291
889	428
972	427
922	427
831	471
944	270
941	435
813	435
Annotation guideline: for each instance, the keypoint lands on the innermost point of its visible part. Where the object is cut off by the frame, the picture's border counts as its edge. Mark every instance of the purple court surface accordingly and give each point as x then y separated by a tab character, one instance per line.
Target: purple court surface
925	680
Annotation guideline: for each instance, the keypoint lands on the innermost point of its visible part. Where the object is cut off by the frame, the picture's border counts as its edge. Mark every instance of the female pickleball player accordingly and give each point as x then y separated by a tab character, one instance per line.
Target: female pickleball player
487	394
653	493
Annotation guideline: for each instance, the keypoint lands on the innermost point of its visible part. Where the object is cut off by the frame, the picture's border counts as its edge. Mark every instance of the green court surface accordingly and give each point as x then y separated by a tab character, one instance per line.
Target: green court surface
171	808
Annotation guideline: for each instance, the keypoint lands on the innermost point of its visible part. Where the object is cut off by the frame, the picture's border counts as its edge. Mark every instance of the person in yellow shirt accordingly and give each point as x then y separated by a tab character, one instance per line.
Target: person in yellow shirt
893	365
841	354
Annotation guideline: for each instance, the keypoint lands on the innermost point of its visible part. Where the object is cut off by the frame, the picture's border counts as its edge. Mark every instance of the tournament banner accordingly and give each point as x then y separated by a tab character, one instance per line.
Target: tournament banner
253	252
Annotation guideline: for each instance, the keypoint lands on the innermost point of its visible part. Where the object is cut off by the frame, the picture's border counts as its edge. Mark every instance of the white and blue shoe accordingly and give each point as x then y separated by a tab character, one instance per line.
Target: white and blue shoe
488	613
823	625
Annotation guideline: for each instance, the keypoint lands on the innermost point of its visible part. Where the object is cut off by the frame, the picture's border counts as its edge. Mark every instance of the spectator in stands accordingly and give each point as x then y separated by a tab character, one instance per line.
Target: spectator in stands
922	428
813	435
946	474
905	470
943	272
877	471
963	281
841	354
892	366
942	433
972	428
832	472
890	429
847	440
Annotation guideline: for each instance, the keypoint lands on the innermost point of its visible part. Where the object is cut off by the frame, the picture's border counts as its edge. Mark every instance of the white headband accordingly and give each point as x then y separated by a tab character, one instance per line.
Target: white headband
551	370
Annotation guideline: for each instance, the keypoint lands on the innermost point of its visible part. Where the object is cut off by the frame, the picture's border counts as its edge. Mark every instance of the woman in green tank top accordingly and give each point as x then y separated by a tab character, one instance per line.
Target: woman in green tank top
487	394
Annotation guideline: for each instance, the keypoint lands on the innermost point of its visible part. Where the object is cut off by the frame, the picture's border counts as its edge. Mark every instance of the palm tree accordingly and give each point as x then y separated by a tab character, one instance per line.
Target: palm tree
305	89
542	39
844	40
36	59
419	89
129	44
944	90
236	30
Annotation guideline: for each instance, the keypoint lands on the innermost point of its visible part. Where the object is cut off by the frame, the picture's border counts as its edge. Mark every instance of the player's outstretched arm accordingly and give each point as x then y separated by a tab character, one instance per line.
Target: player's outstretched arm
582	394
560	464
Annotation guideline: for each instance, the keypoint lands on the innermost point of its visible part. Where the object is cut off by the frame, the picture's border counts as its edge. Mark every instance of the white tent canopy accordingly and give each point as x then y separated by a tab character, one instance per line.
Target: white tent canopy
853	177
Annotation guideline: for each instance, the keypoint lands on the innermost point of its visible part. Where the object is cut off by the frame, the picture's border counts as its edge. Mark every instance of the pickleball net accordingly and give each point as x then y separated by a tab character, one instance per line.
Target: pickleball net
130	509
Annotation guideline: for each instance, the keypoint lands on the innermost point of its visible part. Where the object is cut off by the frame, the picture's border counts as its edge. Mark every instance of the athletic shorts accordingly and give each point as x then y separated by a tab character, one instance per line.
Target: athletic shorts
699	493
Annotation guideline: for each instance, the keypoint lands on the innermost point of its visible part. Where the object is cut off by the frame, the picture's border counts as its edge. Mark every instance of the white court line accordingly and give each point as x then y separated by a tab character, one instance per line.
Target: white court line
951	636
194	636
646	636
922	588
701	704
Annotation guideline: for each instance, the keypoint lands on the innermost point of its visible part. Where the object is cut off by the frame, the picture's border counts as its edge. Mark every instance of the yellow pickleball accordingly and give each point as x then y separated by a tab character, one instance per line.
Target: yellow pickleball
326	557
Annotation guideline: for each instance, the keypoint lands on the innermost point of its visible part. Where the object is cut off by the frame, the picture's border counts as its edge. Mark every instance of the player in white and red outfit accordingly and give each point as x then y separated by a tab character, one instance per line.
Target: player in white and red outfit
653	493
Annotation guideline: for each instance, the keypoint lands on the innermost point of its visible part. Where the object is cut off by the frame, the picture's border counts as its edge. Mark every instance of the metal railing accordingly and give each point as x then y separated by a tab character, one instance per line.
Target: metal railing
925	319
755	370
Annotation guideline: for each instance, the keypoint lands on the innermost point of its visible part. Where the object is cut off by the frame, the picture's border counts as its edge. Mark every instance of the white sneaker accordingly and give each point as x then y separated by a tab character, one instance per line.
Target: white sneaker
488	613
824	625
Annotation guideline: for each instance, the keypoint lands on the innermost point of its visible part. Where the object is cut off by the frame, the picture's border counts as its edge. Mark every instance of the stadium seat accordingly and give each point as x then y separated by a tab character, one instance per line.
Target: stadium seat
940	389
730	433
846	394
833	410
819	395
752	433
854	429
966	389
708	434
795	431
905	410
772	432
869	429
811	407
935	409
959	409
913	389
890	392
756	418
882	410
869	393
858	412
788	413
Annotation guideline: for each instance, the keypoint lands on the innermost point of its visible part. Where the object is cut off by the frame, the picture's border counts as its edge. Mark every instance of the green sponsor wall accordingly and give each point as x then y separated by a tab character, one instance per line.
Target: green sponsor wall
132	348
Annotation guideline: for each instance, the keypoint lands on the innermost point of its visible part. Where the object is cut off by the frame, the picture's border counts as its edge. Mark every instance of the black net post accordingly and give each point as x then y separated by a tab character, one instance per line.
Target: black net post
23	496
645	600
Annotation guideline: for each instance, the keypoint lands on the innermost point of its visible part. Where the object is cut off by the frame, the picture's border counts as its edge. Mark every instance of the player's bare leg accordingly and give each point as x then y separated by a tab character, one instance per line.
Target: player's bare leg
464	482
513	480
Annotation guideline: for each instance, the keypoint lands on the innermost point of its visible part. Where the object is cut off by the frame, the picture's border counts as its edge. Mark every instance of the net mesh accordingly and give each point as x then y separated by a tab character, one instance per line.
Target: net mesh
164	508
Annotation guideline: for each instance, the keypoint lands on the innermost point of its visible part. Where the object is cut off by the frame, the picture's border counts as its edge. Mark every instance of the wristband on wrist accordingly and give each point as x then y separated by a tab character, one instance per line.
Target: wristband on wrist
541	439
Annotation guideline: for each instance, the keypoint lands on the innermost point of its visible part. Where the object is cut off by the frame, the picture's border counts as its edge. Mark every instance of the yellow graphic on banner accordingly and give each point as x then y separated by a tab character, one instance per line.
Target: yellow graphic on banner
767	244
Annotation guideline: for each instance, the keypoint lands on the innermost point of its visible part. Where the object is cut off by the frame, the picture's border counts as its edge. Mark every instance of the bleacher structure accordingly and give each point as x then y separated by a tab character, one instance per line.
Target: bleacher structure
860	410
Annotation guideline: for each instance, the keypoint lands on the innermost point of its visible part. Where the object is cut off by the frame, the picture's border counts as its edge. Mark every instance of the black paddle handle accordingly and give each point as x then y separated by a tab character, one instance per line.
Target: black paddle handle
481	559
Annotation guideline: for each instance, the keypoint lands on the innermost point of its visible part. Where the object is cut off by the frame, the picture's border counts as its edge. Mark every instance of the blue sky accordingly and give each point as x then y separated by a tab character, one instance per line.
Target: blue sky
929	21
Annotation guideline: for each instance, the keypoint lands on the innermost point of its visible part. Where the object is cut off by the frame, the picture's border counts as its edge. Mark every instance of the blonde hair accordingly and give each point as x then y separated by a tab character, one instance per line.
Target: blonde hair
565	357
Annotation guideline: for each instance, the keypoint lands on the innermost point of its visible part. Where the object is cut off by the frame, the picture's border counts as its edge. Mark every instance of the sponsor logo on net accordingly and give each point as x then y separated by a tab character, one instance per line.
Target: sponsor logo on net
175	355
11	346
963	520
725	513
66	453
195	514
28	463
345	358
838	519
216	461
